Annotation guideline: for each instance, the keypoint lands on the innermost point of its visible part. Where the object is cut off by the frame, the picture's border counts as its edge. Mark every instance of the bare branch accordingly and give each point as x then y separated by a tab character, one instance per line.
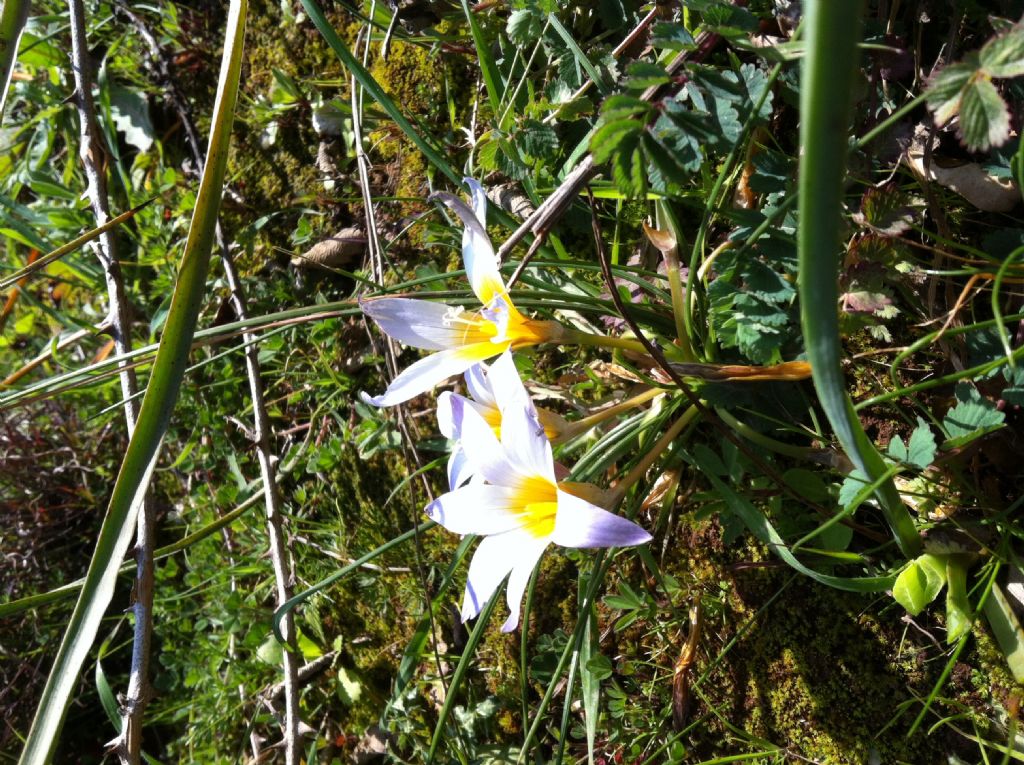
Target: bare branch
128	743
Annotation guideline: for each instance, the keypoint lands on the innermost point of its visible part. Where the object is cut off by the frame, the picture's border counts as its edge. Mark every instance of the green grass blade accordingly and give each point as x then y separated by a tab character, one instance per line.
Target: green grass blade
488	68
366	80
832	33
459	676
762	528
41	263
161	394
12	24
579	55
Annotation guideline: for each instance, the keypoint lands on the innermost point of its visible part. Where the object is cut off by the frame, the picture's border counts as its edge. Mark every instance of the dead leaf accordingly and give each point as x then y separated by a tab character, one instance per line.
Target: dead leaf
970	180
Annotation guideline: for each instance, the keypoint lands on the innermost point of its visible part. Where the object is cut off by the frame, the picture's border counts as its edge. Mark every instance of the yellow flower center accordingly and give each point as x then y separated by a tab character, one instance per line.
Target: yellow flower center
538	498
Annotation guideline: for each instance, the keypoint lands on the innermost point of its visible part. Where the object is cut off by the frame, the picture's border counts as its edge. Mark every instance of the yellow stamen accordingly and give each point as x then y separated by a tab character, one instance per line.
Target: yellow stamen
538	498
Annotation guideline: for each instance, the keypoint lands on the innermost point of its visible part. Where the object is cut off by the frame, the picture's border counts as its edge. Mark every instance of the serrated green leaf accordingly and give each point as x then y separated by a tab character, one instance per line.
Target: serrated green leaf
920	583
921	447
683	147
884	210
538	140
628	168
945	89
524	27
1013	393
609	137
984	116
1003	56
671	36
621	106
664	168
766	283
972	413
643	75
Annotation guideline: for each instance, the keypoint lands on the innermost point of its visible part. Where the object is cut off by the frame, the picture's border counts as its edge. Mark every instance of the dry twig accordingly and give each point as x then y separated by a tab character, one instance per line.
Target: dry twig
128	744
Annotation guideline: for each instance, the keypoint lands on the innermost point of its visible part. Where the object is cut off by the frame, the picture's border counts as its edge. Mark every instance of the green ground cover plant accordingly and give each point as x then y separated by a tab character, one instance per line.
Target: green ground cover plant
511	382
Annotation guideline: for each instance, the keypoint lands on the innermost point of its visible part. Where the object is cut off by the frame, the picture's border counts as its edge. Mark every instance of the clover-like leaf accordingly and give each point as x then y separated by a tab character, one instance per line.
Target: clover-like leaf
973	416
920	448
1003	56
884	210
984	116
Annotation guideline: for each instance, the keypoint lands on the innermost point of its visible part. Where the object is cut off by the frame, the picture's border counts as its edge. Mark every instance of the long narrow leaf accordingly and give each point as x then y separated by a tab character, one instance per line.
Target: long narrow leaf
41	263
832	32
488	68
154	416
12	24
366	80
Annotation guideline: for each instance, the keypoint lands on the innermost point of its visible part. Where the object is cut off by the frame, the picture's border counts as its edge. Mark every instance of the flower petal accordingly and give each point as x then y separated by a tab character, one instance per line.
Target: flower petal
581	524
522	434
431	371
445	421
479	385
497	555
491	563
505	383
424	324
477	508
484	453
523	438
477	252
529	553
459	470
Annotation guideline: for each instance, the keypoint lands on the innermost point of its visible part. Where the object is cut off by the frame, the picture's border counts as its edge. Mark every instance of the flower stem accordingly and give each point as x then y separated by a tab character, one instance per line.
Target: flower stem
576	337
577	427
618	492
790	450
665	218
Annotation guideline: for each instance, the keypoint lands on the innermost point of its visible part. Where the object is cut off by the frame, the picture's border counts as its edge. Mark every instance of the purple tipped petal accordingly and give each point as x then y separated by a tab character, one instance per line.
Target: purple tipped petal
479	386
419	323
581	524
479	197
459	470
445	420
477	252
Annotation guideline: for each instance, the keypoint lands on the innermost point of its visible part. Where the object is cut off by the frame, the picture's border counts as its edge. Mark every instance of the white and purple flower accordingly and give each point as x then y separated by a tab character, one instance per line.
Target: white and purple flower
515	501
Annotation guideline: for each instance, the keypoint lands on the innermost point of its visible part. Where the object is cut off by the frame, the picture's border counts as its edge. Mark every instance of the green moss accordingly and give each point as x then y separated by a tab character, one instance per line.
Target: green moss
822	673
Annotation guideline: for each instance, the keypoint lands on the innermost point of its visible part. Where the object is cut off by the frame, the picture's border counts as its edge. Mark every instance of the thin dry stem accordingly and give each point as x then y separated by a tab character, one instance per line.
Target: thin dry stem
128	744
262	432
